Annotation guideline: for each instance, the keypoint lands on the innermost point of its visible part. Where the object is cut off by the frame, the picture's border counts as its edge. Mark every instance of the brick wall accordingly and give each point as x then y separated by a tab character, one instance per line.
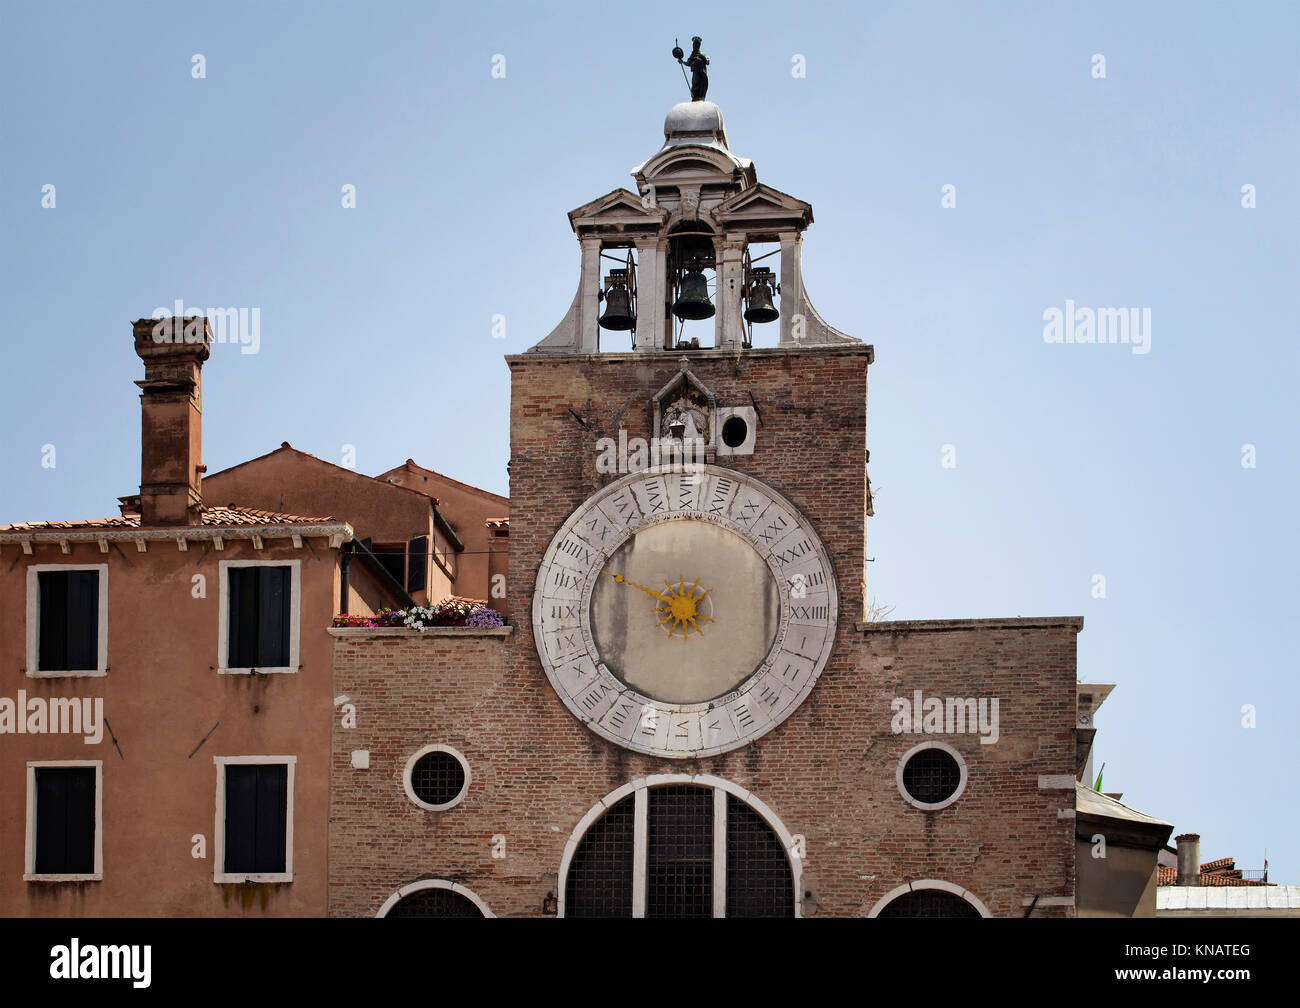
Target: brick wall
828	771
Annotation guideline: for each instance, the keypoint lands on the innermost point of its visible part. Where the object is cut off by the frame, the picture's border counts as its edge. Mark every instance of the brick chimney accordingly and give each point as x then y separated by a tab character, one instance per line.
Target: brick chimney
1189	859
171	413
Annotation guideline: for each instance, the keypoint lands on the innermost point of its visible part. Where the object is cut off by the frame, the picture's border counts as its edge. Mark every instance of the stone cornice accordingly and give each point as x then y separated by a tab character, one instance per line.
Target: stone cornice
1074	623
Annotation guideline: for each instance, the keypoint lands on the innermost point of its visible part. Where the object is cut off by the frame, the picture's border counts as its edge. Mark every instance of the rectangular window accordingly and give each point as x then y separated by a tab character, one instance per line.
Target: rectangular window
259	616
63	813
67	616
255	818
69	607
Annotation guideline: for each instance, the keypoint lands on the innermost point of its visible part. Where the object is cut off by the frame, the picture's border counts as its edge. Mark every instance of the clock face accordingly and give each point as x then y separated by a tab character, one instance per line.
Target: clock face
684	614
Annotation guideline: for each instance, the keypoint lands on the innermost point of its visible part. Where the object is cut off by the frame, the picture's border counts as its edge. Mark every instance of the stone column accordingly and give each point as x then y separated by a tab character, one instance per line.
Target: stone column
729	330
793	322
651	294
588	334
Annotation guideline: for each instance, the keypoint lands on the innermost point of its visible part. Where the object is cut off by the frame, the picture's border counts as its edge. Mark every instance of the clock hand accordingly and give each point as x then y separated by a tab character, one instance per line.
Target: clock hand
622	580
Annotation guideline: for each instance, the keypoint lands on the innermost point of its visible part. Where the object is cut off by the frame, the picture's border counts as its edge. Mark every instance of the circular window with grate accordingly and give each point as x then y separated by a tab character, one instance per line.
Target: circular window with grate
931	776
437	778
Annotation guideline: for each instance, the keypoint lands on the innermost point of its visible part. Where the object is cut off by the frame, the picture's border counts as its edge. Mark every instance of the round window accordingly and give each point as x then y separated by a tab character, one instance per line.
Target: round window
932	776
734	431
437	778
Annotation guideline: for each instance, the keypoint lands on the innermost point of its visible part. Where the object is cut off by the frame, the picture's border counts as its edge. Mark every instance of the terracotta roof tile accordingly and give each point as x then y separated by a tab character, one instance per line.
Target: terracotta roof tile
213	517
1167	875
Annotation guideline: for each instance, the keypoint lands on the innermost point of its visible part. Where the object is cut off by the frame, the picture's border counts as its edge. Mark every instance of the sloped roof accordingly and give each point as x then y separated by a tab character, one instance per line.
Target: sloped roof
1213	873
213	517
1092	802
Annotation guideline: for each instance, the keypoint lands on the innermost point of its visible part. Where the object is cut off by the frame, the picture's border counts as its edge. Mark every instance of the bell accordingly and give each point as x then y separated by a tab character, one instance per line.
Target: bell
618	305
760	308
693	303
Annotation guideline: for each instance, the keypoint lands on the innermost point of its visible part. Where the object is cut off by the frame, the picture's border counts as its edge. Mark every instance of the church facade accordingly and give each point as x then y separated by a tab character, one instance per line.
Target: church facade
689	714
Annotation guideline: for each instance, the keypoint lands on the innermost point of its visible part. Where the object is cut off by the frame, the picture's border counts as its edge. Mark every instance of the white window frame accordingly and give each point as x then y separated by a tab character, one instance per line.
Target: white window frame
295	615
412	887
29	857
961	784
939	884
410	788
640	836
219	873
34	622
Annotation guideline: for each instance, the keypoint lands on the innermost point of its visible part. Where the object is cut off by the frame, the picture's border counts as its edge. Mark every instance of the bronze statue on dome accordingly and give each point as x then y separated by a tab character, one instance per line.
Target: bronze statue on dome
697	61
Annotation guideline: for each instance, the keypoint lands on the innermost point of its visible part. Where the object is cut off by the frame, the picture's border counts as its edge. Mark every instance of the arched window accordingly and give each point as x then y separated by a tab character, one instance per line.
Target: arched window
680	847
434	898
929	898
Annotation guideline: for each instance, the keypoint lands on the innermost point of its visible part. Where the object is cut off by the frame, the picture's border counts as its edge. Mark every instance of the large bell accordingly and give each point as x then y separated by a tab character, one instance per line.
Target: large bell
618	304
693	302
759	307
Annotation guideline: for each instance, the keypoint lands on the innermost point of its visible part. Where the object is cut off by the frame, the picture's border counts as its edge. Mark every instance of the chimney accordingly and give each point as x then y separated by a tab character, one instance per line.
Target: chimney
1189	859
171	412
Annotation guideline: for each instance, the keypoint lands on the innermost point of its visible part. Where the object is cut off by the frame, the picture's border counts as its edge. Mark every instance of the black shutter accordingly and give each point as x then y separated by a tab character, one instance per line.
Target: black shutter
69	621
65	820
272	807
83	619
273	617
256	817
53	654
242	618
241	818
418	564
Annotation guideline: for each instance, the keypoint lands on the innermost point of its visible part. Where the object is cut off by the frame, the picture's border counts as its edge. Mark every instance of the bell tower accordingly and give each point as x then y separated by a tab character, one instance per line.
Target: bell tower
696	257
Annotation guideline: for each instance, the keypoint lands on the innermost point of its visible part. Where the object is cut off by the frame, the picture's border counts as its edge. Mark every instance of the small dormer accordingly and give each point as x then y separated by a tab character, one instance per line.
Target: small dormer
696	258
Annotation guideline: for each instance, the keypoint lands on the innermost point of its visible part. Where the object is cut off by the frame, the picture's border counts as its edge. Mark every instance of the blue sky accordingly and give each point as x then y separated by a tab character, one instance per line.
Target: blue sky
1071	460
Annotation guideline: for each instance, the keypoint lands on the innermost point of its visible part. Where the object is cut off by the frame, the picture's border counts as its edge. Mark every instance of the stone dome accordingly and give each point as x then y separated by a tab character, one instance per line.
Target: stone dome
695	121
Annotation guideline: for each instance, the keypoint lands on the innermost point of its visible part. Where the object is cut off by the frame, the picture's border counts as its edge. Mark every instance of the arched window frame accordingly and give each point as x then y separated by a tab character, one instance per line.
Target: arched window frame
414	887
721	788
939	884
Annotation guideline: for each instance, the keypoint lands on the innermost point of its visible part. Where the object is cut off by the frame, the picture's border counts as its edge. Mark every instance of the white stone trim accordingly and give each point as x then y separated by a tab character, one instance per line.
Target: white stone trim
410	766
639	788
195	533
295	615
34	622
940	884
961	784
29	853
1056	782
219	874
412	887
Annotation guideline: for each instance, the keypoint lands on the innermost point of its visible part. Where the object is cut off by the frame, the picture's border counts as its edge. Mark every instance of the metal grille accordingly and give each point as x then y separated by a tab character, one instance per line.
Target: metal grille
928	903
679	862
437	778
759	880
435	903
599	883
931	776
